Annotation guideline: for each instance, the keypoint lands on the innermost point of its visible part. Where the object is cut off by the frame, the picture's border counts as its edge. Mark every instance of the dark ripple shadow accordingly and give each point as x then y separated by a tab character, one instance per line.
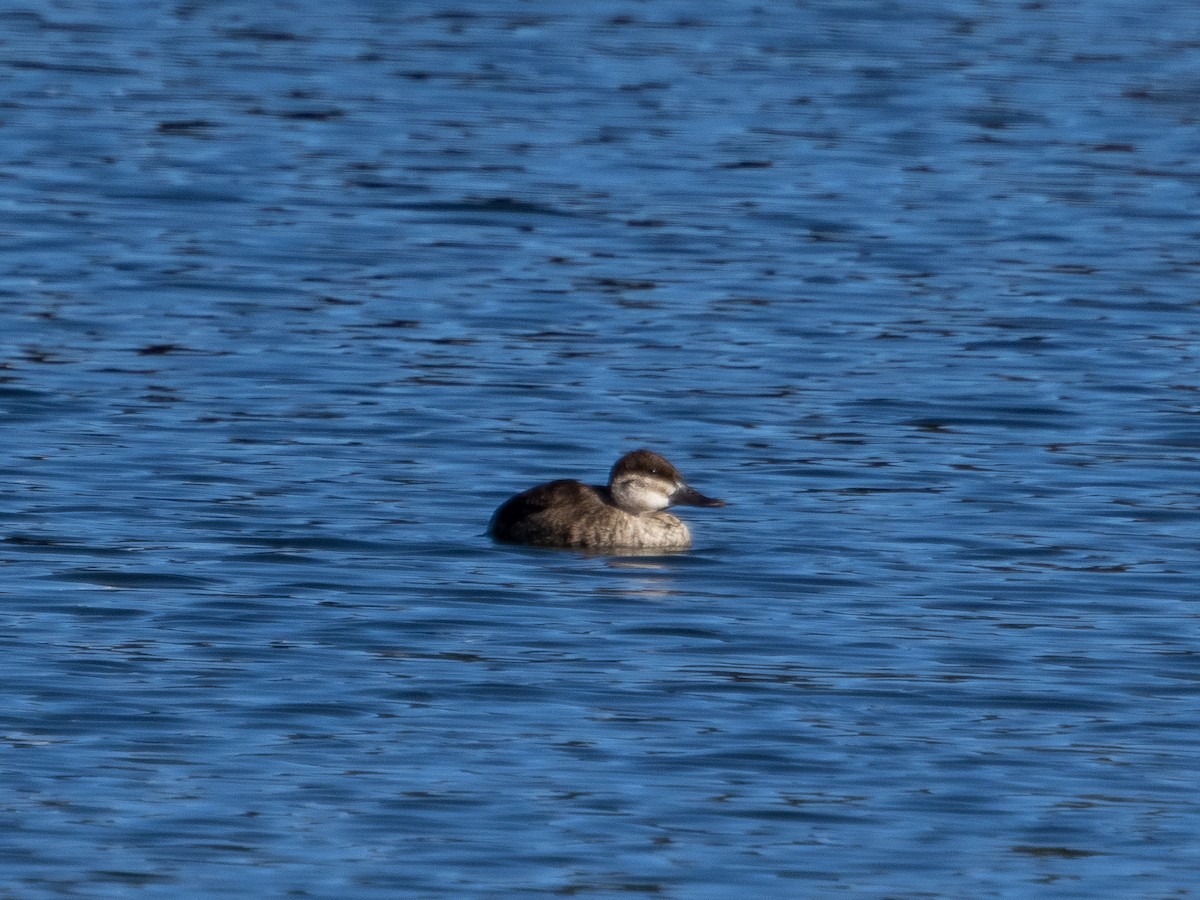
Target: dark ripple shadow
131	580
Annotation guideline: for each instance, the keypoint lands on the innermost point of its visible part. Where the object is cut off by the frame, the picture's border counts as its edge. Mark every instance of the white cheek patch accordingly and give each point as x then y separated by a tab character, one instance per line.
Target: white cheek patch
643	495
651	495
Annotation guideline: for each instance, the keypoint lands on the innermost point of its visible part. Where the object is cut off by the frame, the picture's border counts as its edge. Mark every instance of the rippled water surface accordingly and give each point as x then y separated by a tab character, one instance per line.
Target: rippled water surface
293	296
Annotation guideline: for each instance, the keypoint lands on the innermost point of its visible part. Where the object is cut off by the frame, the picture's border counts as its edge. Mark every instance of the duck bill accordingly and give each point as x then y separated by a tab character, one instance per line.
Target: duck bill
686	496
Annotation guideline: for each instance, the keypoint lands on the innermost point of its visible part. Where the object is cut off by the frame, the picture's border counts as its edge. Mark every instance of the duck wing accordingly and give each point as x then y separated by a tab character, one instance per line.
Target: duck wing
518	511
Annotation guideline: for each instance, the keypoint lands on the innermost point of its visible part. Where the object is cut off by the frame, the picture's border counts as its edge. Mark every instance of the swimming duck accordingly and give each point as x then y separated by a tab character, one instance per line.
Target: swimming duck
627	514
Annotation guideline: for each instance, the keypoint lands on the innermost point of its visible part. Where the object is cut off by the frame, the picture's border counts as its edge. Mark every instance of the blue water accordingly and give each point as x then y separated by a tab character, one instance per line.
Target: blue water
292	296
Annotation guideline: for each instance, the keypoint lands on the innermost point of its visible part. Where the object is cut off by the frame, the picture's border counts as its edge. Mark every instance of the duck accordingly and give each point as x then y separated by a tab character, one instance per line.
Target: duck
626	514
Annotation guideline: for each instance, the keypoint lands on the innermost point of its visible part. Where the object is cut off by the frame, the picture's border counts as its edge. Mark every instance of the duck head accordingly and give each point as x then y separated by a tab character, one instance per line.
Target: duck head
642	482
